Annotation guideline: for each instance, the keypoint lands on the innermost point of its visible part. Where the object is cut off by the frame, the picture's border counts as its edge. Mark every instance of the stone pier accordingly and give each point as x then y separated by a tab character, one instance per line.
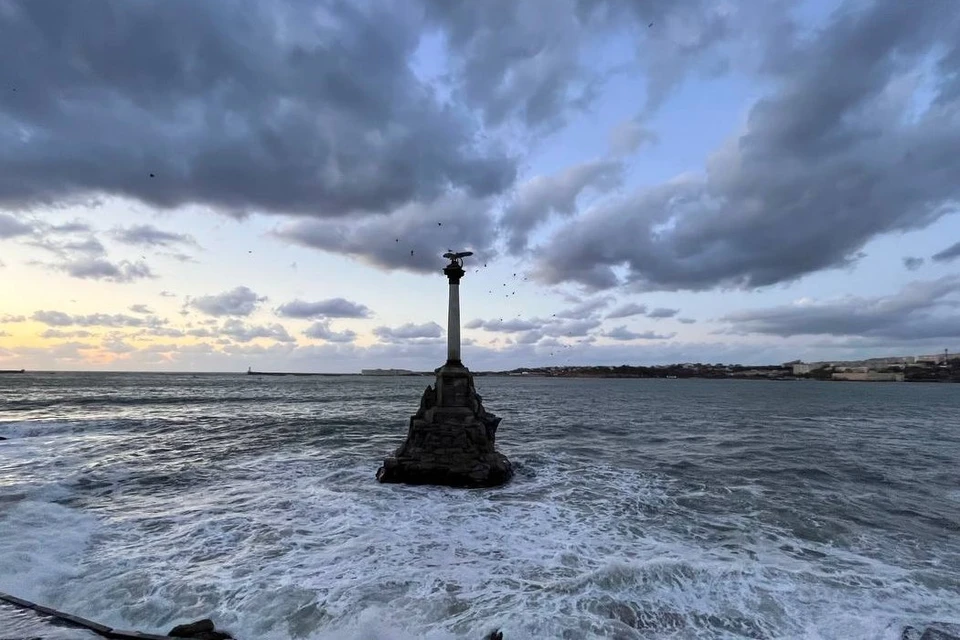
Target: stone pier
450	440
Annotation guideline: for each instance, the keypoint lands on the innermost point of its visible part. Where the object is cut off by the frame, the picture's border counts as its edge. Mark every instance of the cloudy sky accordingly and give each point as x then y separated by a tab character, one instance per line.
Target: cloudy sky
209	186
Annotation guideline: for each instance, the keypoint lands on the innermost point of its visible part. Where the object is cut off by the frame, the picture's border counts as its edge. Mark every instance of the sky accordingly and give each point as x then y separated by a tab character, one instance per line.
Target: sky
212	186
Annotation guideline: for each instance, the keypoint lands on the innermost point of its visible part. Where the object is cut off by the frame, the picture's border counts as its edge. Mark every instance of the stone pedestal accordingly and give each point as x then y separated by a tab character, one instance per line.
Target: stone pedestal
451	438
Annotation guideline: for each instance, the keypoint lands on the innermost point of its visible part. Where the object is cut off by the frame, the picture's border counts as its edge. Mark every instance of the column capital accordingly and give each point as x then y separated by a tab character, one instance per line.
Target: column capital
454	272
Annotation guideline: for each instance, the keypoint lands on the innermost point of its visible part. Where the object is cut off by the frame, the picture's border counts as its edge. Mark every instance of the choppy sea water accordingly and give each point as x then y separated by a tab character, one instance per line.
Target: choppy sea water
640	509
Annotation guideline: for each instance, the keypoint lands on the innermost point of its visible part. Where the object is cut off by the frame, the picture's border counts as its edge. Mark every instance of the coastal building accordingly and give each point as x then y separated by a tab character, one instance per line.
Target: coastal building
868	376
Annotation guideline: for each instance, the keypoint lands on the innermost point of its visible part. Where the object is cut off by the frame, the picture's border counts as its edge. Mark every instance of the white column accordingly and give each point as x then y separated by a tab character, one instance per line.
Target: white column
453	324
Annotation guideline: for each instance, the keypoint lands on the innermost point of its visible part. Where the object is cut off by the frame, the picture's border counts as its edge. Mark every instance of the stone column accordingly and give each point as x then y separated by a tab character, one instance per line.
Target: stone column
454	272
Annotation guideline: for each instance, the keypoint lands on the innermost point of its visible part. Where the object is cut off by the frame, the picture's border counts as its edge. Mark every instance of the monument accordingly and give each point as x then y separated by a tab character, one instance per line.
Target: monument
450	440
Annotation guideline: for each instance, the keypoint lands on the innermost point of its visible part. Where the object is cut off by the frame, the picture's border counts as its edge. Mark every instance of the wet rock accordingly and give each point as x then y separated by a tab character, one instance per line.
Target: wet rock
932	633
2	438
199	630
624	613
451	439
496	634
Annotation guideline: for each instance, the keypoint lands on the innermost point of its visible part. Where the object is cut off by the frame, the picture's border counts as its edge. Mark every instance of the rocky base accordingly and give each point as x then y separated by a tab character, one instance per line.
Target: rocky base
474	474
451	439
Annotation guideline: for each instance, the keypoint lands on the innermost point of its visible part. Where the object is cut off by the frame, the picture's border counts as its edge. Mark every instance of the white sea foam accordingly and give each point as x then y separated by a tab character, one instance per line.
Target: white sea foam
302	555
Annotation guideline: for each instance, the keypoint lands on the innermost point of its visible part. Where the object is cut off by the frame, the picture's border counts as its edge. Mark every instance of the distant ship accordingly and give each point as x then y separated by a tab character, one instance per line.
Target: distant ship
13	370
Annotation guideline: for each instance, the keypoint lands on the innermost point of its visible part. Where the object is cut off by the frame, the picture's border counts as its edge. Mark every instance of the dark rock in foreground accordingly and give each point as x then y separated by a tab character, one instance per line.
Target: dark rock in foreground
199	630
451	438
937	631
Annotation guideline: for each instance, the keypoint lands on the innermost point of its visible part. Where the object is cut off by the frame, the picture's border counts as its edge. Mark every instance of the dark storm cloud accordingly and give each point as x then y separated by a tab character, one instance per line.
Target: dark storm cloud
663	312
409	331
412	238
540	197
622	333
912	263
834	157
115	320
268	106
321	330
920	310
332	308
950	253
146	235
520	60
100	269
627	310
239	301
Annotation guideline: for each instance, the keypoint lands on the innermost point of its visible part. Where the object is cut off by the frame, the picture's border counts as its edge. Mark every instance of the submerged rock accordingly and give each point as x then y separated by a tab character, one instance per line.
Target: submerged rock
199	630
496	634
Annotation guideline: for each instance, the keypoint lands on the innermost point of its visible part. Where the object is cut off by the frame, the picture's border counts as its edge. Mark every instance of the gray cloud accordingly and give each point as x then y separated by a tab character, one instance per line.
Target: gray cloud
627	310
323	117
61	319
571	328
242	332
586	308
146	235
829	160
58	333
139	308
77	226
627	137
622	333
686	320
11	227
511	325
100	269
516	62
950	253
331	308
409	331
663	312
455	221
541	196
921	310
10	319
554	327
239	301
321	330
912	263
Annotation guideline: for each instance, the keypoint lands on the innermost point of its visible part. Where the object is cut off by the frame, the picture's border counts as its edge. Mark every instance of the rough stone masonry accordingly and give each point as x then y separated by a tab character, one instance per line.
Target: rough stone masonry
450	440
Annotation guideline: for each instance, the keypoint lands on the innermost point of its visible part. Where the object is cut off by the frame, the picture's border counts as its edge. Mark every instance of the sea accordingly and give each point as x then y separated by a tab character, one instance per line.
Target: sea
640	508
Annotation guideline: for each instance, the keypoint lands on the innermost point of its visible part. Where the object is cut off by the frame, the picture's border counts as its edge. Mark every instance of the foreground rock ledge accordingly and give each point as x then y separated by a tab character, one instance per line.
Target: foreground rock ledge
451	438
